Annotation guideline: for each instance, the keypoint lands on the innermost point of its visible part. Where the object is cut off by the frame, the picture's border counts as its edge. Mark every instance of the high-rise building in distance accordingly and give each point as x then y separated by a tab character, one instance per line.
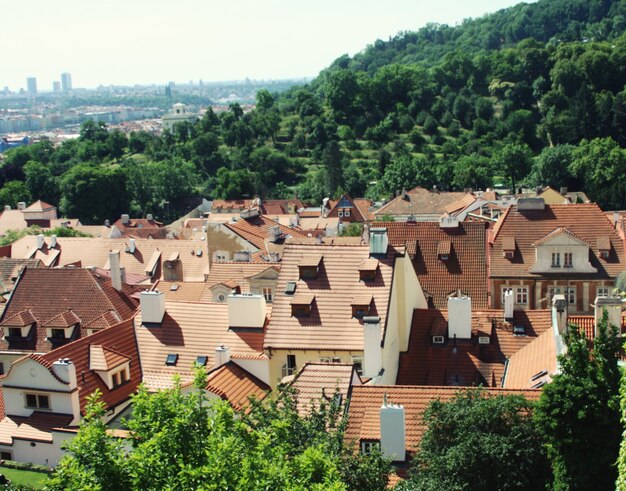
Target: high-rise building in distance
66	82
56	86
31	85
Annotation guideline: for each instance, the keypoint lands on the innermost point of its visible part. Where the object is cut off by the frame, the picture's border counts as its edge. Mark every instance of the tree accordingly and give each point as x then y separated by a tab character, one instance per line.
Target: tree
94	460
40	182
479	442
13	192
333	159
578	412
513	160
232	184
601	165
551	167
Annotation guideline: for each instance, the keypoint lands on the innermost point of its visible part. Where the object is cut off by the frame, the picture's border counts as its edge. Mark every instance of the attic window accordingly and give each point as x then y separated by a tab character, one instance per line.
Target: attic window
438	339
483	339
361	306
290	289
15	332
171	360
301	305
508	247
604	246
538	375
368	269
519	330
174	287
444	249
369	446
309	267
58	334
202	360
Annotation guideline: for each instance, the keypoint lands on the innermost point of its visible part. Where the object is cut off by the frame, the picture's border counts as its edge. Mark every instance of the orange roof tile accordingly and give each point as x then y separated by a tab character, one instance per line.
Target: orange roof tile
102	358
236	385
465	269
256	230
234	274
559	231
64	319
420	201
584	221
365	402
190	330
39	206
322	380
466	362
330	324
534	358
10	271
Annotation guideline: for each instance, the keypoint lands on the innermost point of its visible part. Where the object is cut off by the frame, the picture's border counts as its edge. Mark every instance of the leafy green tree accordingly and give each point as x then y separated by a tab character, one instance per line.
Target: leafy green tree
94	459
479	442
94	131
552	165
13	192
40	182
232	184
601	165
93	194
472	171
354	181
513	160
117	142
333	160
578	413
400	173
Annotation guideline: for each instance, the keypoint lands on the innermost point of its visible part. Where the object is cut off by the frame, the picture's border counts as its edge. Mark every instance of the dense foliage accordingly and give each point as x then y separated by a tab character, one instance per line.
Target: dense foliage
527	96
180	440
579	411
478	442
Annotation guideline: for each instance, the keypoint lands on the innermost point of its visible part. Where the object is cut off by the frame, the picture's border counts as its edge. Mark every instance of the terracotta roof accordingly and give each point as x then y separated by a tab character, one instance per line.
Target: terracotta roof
465	269
466	362
256	230
311	261
10	270
365	208
236	385
322	380
235	274
524	367
102	358
141	227
118	339
345	202
37	427
231	204
62	298
330	324
420	201
22	318
190	330
461	204
587	222
95	252
40	206
365	402
177	291
587	323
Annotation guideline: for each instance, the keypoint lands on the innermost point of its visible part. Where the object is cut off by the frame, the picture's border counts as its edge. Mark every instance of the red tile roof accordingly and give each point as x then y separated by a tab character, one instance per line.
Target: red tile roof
10	270
141	227
586	221
419	201
366	400
323	380
256	230
536	357
466	362
40	206
62	298
236	385
330	324
464	270
234	274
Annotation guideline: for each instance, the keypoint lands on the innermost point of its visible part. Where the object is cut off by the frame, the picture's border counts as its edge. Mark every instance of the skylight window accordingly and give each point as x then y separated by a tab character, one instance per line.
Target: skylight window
171	360
290	289
202	360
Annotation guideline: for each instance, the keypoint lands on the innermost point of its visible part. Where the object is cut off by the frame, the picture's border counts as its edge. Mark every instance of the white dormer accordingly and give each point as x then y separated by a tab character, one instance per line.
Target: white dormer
561	251
112	367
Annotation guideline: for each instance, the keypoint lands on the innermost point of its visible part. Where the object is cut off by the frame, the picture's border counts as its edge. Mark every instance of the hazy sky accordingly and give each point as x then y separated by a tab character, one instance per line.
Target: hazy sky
155	41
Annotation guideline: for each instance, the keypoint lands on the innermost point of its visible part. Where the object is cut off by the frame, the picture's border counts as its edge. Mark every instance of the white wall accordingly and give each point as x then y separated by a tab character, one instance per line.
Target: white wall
563	243
259	368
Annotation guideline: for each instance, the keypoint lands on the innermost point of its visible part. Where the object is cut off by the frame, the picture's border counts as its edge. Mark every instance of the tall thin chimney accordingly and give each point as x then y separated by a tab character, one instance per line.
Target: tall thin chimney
372	350
116	270
392	431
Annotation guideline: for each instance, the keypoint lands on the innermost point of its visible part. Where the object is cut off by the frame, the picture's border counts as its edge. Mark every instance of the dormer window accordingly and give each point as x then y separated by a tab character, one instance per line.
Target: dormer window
120	377
604	247
444	249
368	269
508	247
301	305
37	401
309	267
58	334
361	306
15	332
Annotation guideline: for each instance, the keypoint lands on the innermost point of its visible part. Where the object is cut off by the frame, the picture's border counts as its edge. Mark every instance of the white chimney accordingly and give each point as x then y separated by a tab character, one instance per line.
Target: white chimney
107	223
274	233
125	219
66	371
274	257
41	241
152	307
222	355
53	241
559	312
372	350
392	431
246	310
131	246
21	205
149	217
116	271
379	241
509	303
459	317
242	256
613	306
7	207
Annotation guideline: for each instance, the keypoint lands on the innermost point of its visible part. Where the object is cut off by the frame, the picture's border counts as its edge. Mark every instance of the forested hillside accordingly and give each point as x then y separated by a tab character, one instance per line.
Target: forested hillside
530	95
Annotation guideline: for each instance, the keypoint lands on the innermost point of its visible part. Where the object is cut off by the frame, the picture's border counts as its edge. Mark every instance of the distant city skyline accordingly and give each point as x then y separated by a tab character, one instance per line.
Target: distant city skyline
154	41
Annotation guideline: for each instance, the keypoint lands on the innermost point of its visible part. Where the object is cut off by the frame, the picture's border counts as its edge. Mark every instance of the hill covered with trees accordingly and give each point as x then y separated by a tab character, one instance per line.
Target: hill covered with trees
530	95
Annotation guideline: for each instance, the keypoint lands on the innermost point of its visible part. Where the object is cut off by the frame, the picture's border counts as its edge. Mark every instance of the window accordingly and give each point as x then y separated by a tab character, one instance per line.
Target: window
340	214
300	310
6	456
509	254
570	295
556	259
308	272
120	377
567	260
202	360
360	311
58	333
330	359
37	401
1	368
357	361
553	290
483	339
15	332
600	292
267	293
604	254
367	447
171	360
346	213
521	295
289	368
221	298
504	290
367	274
438	339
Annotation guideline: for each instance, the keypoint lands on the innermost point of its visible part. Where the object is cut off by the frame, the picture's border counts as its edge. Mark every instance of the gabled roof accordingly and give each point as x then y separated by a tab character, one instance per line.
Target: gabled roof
22	318
39	206
10	270
323	380
142	228
586	222
366	400
256	230
330	324
465	270
84	251
466	363
557	232
527	364
189	330
420	201
235	274
104	359
236	385
62	298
